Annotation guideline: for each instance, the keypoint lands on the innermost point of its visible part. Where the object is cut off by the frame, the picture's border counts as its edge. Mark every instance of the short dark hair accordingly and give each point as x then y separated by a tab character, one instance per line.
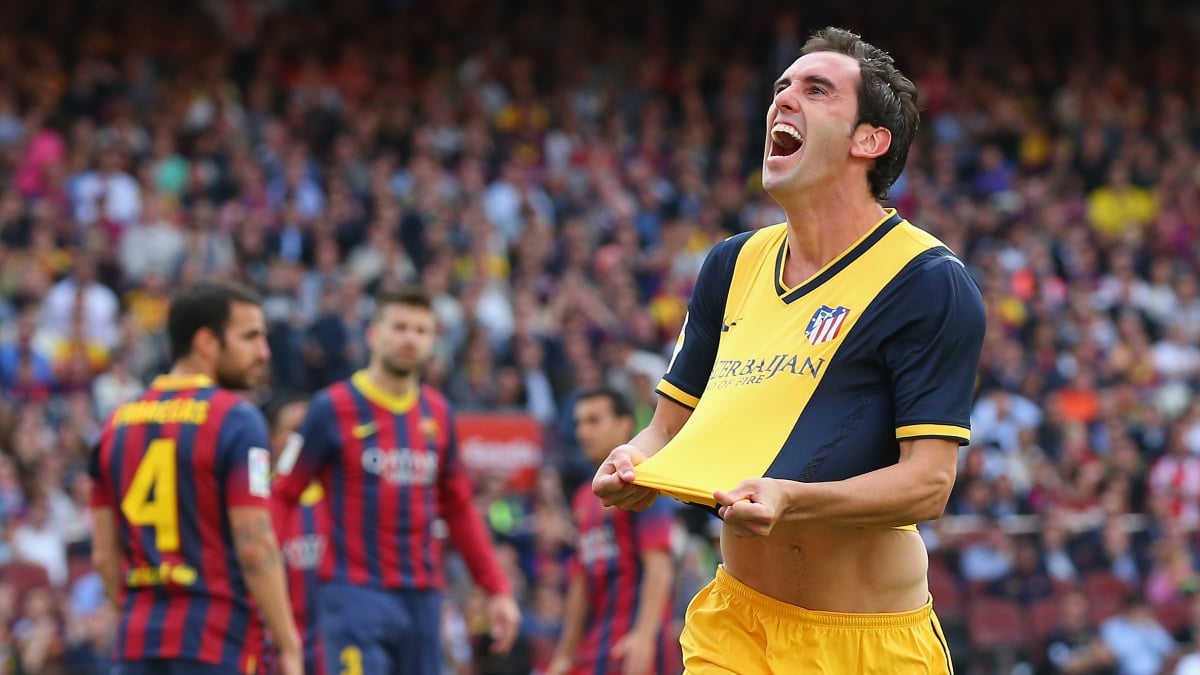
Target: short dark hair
886	98
204	304
620	404
409	295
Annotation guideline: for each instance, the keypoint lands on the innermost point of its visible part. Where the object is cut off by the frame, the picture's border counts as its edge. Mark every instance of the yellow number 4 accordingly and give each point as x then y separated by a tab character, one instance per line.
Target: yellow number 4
352	661
155	473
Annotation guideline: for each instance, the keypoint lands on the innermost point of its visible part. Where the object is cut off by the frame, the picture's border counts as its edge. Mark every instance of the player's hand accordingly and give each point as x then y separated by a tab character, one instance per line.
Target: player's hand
635	651
753	508
560	665
504	617
613	482
291	662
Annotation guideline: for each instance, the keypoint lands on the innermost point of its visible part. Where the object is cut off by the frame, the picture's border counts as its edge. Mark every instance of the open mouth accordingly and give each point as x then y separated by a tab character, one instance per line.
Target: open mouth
785	140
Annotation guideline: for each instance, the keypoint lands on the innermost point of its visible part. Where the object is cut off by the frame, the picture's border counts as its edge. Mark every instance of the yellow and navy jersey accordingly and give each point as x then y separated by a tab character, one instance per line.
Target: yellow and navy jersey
819	382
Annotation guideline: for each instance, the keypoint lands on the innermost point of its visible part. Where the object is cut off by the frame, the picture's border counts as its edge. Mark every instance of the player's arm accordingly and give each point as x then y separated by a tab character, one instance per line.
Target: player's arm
574	618
652	533
106	546
681	386
914	490
614	478
470	537
307	451
932	358
262	566
638	647
106	551
246	469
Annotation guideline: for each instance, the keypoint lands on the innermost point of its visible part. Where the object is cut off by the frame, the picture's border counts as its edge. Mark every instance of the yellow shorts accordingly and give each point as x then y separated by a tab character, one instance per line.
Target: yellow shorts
732	628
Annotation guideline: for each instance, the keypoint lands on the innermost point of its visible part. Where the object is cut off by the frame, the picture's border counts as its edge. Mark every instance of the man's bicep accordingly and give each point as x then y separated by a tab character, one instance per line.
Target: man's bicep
933	453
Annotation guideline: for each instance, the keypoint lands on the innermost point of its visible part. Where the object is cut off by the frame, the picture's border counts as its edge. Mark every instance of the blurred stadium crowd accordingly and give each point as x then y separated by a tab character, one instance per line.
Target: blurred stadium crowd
555	174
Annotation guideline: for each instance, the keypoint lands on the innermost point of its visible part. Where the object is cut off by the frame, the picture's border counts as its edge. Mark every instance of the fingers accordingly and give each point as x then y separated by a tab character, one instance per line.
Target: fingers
635	498
644	501
619	649
505	620
636	666
747	489
613	481
504	634
748	519
623	466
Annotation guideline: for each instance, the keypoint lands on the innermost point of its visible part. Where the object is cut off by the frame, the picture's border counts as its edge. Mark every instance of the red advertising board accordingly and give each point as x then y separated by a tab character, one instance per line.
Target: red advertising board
501	443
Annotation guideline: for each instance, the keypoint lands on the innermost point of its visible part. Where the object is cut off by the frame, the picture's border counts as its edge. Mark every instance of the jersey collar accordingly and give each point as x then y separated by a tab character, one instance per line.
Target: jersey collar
376	394
890	220
178	382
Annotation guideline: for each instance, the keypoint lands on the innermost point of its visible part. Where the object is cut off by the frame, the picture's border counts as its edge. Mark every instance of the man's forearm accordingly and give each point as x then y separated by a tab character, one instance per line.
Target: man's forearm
262	567
901	494
106	552
470	535
109	569
574	615
655	592
669	418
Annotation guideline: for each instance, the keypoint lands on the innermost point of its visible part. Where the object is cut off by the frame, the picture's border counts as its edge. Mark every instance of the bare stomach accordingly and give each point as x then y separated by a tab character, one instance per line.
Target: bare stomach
833	569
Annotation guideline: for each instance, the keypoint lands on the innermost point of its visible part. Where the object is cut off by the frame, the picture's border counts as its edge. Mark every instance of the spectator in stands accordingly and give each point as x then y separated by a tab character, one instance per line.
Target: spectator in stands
1027	581
38	633
36	540
1138	642
1074	646
991	557
557	194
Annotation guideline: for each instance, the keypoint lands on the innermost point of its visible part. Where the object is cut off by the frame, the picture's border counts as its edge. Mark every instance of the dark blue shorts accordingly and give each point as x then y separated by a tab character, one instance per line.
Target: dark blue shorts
370	631
170	667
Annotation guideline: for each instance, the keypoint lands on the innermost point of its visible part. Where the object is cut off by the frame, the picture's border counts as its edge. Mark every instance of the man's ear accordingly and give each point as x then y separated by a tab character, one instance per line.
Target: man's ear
870	141
206	343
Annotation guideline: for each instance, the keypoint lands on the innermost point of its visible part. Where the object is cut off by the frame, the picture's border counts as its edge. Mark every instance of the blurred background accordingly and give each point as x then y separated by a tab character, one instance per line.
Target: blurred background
554	173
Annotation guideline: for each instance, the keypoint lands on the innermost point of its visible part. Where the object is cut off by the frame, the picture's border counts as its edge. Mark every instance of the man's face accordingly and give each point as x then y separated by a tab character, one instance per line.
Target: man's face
813	113
597	429
402	338
242	360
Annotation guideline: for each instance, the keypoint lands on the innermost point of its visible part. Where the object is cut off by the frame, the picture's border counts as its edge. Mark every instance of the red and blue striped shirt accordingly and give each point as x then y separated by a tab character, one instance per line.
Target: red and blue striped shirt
609	556
390	469
303	544
170	465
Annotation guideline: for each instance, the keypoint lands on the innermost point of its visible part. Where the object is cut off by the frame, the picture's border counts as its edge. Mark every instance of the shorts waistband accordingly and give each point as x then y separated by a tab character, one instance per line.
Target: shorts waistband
727	583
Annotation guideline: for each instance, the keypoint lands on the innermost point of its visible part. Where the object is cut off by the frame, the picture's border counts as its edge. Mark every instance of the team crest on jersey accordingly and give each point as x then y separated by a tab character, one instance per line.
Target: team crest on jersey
428	427
825	324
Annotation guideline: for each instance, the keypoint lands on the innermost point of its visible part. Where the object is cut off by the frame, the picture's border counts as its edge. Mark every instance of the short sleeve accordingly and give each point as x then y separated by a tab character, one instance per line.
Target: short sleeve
696	348
307	450
932	357
652	527
245	457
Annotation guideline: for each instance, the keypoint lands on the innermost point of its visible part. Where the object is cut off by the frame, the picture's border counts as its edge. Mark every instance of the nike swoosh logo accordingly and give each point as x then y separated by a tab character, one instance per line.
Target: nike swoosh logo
363	430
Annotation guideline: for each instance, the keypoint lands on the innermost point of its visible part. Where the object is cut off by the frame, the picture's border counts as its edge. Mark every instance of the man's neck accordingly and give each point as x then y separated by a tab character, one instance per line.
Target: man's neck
188	367
392	384
821	229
